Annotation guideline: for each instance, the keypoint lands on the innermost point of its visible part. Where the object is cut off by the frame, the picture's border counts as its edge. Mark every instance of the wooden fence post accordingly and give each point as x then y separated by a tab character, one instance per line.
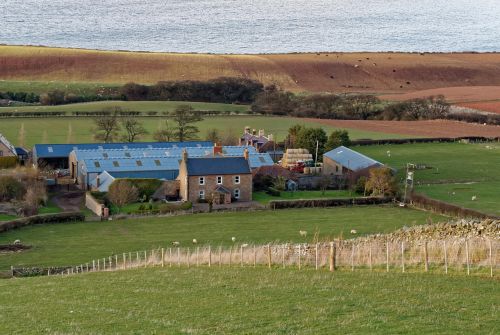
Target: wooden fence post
403	256
230	255
138	260
317	257
209	256
283	256
170	257
254	256
491	257
300	249
445	257
332	257
352	256
98	264
188	257
124	258
145	258
241	255
93	265
162	257
116	261
197	256
467	256
178	256
103	264
370	258
387	256
426	256
220	256
87	266
269	255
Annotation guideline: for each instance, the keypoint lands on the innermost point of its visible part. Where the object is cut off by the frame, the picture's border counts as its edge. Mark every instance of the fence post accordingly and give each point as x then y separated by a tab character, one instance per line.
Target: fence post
162	257
170	257
98	264
332	257
467	256
426	256
103	264
178	256
220	256
254	256
87	266
387	256
241	255
188	257
370	260
269	255
209	256
116	261
283	255
197	256
403	256
138	259
300	249
124	264
93	265
445	258
230	255
491	257
352	257
317	257
145	258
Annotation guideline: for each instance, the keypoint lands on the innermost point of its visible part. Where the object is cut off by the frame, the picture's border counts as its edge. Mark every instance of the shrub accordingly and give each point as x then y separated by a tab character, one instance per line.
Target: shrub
11	188
8	162
146	186
168	208
41	219
122	192
274	192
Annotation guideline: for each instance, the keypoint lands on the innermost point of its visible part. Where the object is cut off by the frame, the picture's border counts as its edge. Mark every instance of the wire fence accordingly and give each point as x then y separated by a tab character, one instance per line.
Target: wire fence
467	256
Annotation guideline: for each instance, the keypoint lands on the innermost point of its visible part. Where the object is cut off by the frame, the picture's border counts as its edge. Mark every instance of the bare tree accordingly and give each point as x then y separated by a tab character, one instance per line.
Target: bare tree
164	133
213	135
133	128
122	192
324	183
229	138
185	116
381	182
107	126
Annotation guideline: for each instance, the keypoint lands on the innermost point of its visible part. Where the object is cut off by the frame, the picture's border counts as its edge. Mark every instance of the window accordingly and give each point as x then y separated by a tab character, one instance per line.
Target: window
157	162
105	155
50	149
116	164
219	180
236	179
202	194
139	163
336	168
201	180
1	153
127	154
262	159
237	193
97	164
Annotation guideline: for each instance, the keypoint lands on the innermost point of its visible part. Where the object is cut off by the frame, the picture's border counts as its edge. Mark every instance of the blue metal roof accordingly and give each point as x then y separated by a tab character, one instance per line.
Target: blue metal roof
217	166
140	174
63	150
260	159
351	159
120	165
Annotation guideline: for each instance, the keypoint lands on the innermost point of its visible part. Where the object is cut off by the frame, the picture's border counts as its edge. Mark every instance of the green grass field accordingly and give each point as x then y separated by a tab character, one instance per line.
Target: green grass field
56	130
136	106
264	198
72	243
466	169
249	301
6	217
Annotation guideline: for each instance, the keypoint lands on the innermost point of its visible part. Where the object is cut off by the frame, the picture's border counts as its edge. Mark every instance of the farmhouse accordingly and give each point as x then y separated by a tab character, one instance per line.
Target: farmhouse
224	179
56	155
6	149
343	161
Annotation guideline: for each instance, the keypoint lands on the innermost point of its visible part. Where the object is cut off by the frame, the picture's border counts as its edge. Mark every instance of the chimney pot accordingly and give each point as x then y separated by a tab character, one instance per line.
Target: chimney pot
246	153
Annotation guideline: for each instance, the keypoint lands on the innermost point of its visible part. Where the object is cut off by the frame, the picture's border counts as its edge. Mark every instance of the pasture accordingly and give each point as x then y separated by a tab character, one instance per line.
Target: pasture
455	171
79	129
74	243
248	301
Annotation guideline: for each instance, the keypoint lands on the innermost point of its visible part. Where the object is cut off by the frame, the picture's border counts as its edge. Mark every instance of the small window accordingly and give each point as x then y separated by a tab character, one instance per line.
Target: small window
219	180
237	193
336	168
1	153
139	163
116	164
262	159
157	162
100	147
105	155
50	149
202	180
97	164
236	179
127	154
202	194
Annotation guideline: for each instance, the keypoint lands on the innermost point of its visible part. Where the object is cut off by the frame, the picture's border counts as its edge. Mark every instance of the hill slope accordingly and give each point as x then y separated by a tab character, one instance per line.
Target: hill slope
336	72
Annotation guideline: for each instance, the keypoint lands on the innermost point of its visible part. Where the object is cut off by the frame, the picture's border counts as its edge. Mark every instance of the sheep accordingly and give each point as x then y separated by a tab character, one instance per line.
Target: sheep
354	231
389	153
233	239
474	198
303	233
244	245
195	241
17	242
175	243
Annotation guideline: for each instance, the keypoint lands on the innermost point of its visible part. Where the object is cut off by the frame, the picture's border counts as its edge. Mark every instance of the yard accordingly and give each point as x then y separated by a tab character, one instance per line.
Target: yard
72	243
249	301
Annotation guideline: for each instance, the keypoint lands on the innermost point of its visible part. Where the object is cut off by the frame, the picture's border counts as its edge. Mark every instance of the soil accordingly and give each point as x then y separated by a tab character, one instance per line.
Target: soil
69	201
488	106
428	128
13	247
452	94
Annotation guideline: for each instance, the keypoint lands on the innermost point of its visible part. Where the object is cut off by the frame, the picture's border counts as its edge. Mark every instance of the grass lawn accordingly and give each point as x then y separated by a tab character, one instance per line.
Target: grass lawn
72	243
56	130
466	169
249	301
51	208
6	217
264	198
137	106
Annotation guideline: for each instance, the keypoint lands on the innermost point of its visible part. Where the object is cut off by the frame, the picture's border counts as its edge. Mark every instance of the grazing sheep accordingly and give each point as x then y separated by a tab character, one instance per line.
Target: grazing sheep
233	239
16	242
389	153
474	198
244	245
354	231
303	233
195	241
175	243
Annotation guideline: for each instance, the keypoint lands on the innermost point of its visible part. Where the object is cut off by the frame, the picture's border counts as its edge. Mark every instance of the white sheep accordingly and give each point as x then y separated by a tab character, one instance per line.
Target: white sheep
244	245
175	243
16	242
233	239
195	241
354	231
474	198
389	153
303	233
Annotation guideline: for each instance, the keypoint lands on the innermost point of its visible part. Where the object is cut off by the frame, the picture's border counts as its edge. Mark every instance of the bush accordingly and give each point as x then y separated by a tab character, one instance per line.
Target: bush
41	219
146	186
11	188
8	162
281	204
274	192
121	192
168	208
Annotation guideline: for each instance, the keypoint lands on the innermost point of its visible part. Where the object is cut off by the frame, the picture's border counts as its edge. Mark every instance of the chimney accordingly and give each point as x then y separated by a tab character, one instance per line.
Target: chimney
261	132
254	132
247	130
246	153
217	150
270	137
184	155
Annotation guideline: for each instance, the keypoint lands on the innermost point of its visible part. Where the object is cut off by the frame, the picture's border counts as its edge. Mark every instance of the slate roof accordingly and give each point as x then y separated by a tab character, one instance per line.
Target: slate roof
351	159
63	150
217	166
8	144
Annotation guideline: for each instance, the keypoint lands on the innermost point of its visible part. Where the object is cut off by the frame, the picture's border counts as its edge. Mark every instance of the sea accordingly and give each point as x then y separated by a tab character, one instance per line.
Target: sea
254	26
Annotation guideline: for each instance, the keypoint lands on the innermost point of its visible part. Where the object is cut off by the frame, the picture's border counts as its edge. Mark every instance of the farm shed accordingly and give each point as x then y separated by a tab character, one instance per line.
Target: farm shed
56	155
342	161
103	180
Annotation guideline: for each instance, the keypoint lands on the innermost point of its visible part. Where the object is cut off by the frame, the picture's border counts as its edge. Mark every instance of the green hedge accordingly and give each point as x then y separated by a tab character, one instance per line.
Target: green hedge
168	208
146	186
8	162
41	219
281	204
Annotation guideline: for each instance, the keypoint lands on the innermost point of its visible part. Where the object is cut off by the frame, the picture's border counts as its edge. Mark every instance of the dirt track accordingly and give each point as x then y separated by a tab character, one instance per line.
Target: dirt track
314	72
432	128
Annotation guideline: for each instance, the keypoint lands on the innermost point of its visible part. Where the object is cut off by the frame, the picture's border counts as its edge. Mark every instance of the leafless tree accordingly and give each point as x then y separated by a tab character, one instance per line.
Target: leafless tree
133	128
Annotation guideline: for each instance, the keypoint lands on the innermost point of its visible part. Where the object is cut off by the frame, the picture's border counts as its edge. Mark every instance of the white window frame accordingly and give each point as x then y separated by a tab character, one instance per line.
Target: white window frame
201	194
201	180
237	193
217	180
237	179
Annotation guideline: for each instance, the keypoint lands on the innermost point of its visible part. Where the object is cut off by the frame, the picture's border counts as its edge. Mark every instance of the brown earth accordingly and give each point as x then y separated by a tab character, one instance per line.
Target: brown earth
452	94
487	106
428	128
313	72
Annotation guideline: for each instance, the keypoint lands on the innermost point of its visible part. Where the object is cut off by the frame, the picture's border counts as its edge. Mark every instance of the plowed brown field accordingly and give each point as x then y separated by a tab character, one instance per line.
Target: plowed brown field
488	106
431	128
452	94
321	72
